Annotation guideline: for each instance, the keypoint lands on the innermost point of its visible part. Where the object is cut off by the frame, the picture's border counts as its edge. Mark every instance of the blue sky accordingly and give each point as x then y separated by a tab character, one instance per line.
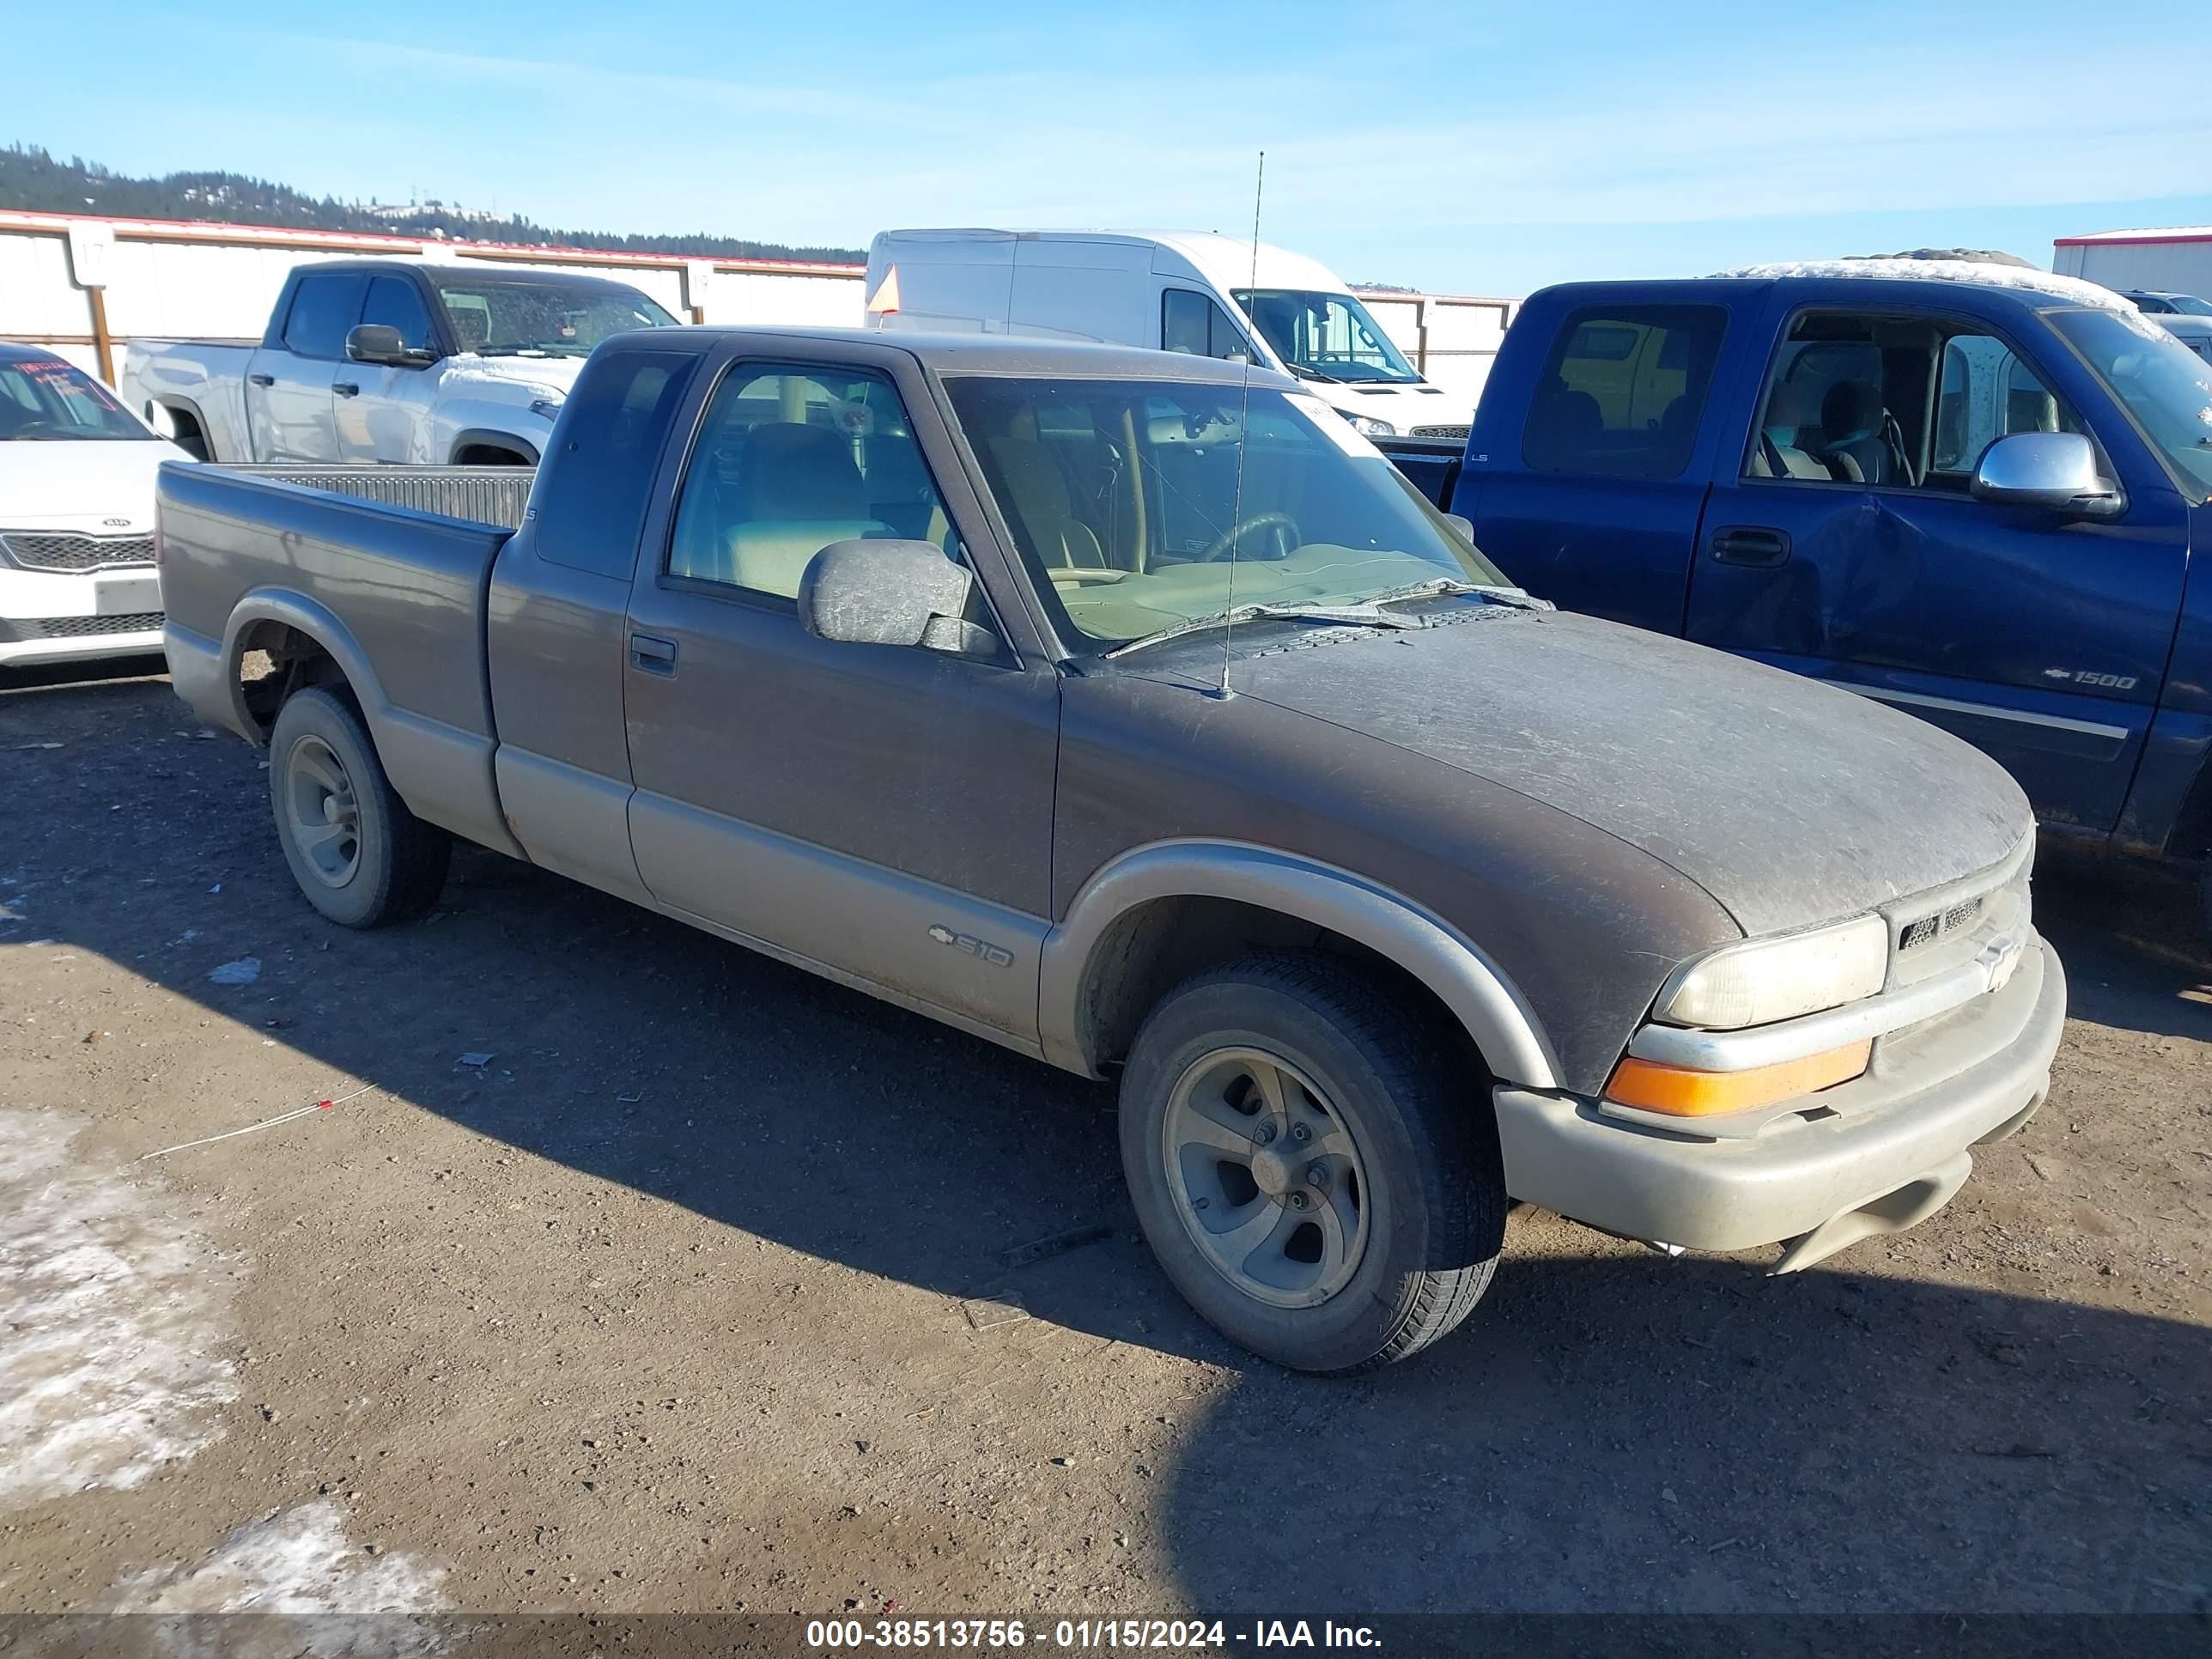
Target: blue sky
1464	149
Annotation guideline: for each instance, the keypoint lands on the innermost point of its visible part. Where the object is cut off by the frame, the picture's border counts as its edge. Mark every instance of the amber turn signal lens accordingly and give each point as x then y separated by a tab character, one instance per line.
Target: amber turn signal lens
1681	1092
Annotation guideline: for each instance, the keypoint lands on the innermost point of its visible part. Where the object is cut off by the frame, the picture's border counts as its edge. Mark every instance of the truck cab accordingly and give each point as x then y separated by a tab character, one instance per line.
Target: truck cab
1826	469
1176	290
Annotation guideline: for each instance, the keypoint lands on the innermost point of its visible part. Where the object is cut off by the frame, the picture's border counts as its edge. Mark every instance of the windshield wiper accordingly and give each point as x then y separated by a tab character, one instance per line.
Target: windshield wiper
1365	613
1305	373
518	351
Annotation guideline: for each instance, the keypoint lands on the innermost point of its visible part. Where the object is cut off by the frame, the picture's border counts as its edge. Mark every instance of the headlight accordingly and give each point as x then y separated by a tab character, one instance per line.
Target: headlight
1762	980
1368	427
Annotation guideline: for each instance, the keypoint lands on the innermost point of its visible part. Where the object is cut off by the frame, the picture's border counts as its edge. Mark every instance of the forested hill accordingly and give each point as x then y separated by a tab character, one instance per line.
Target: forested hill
35	181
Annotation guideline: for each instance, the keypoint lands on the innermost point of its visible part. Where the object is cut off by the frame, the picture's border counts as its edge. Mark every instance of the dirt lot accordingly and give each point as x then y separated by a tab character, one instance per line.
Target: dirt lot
670	1304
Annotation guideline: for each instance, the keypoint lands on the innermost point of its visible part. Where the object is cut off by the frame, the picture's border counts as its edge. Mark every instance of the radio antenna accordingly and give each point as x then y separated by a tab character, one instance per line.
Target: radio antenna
1244	437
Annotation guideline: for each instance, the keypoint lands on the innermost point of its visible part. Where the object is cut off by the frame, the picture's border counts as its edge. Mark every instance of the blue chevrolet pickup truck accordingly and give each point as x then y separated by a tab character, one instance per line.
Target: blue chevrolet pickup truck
1970	491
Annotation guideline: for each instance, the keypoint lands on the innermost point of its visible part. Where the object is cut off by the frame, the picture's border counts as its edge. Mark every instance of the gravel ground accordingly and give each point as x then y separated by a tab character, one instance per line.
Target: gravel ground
708	1285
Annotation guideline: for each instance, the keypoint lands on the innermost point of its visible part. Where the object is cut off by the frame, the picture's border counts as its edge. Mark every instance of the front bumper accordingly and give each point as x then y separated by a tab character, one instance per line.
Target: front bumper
1878	1154
25	642
64	616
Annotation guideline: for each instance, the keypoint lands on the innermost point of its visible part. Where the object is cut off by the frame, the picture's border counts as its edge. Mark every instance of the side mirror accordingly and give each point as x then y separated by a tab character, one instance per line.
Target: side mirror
2055	470
382	343
888	593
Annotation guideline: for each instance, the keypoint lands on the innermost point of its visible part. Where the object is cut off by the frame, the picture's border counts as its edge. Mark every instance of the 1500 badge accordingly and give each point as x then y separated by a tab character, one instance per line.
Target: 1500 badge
2086	677
968	944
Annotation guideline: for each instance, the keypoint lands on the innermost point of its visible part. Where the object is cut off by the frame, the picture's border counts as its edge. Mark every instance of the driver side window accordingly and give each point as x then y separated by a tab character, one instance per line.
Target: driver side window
394	300
788	460
1985	391
1849	397
1191	323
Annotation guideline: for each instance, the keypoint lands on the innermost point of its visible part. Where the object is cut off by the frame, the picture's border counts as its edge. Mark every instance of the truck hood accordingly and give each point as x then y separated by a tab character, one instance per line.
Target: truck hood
1404	406
517	378
102	487
1790	803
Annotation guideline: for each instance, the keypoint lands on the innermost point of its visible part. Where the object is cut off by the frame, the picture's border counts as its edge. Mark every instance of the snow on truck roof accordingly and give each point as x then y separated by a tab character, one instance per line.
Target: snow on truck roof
1986	274
2148	234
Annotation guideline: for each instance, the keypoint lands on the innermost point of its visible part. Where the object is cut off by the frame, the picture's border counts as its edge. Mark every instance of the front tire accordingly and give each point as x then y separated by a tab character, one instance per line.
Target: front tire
1316	1176
358	854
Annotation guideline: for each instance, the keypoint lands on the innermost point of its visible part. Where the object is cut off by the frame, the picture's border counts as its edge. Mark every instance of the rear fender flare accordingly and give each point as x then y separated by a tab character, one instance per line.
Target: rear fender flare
1496	1015
317	622
443	774
171	403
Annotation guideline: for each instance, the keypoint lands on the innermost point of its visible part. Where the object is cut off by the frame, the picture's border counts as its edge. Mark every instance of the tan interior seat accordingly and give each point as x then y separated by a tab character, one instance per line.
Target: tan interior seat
797	490
1040	497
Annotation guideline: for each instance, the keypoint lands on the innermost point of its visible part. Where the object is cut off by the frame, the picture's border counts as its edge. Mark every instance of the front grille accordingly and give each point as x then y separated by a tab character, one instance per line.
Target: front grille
69	553
77	627
1926	929
1439	432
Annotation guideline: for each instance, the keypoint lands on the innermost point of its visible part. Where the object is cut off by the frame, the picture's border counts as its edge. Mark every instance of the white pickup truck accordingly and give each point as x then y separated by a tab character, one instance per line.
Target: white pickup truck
385	361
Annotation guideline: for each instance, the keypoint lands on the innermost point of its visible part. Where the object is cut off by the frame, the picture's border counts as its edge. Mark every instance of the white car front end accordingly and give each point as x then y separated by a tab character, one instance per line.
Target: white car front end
1396	410
77	576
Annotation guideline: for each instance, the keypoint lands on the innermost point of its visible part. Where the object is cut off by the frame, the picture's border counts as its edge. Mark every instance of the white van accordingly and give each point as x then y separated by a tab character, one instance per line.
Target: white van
1178	290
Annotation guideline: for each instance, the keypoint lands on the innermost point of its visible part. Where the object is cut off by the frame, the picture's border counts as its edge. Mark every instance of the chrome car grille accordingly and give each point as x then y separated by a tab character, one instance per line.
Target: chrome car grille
1438	432
28	550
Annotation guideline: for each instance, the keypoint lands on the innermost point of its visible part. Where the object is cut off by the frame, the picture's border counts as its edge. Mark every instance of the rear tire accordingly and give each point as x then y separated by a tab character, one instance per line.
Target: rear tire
1317	1174
358	854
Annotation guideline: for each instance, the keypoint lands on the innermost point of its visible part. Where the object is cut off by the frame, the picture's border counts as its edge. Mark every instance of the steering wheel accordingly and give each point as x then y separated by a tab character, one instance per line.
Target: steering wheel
1286	536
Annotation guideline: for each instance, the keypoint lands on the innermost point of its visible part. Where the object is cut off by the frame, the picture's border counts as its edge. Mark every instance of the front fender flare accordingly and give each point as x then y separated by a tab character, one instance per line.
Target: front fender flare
491	437
1496	1015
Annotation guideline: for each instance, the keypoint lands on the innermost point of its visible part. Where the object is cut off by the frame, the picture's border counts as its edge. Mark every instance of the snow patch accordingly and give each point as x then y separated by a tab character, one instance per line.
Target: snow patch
2073	289
112	1306
296	1560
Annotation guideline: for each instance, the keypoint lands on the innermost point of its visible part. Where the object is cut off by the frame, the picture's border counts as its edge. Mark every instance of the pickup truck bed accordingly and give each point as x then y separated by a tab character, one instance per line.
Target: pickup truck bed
412	584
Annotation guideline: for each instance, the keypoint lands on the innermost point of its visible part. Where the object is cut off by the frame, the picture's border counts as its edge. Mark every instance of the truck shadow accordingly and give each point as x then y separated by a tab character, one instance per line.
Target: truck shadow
2134	938
1610	1415
1619	1433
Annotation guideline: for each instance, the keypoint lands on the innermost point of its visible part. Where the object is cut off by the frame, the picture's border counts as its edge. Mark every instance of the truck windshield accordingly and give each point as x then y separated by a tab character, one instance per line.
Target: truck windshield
517	318
43	399
1330	336
2166	386
1127	498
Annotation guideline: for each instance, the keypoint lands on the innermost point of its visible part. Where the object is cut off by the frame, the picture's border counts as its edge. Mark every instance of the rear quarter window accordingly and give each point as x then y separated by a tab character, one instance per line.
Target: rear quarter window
589	506
1623	390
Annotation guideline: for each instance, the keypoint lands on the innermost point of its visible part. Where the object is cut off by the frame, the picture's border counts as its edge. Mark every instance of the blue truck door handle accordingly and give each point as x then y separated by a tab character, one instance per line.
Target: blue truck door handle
1739	543
651	655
